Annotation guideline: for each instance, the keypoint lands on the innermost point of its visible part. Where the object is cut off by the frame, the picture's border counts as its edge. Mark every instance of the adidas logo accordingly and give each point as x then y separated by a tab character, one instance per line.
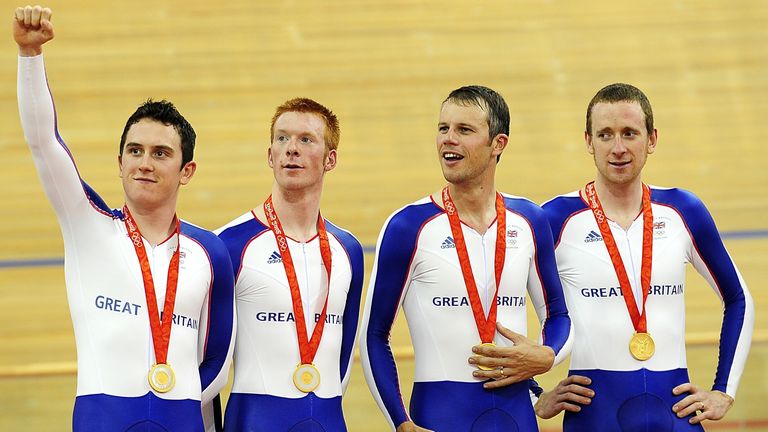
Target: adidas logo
274	258
448	243
593	237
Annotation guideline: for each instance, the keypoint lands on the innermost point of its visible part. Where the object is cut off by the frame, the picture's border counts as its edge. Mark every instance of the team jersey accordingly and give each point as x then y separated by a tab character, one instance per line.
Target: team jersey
264	397
107	303
417	268
683	232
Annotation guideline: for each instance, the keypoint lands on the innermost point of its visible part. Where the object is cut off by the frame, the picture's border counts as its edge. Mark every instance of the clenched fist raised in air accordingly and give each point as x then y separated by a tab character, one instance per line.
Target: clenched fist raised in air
31	29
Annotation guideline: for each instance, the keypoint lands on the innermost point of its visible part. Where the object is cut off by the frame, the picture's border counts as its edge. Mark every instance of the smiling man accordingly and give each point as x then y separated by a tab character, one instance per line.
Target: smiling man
299	280
460	263
622	247
151	296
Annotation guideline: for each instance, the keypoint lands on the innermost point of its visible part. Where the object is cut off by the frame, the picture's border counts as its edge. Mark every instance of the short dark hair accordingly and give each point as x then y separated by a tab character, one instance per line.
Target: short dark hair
166	113
488	100
620	92
306	105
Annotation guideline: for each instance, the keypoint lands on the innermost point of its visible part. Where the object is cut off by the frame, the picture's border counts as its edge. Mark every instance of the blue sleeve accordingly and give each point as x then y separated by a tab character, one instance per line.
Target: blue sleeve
395	249
534	387
738	314
559	210
556	324
237	237
217	355
352	307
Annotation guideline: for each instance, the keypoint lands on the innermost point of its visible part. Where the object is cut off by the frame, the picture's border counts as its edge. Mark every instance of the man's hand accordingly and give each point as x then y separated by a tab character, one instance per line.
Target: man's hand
31	29
711	405
512	364
410	426
569	395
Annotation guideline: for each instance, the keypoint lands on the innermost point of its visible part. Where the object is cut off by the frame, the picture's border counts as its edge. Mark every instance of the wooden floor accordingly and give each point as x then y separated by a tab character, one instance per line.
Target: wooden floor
384	66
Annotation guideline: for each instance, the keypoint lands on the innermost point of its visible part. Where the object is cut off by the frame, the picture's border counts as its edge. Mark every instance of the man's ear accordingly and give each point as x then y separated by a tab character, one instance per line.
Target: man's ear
588	142
499	143
652	140
187	172
330	160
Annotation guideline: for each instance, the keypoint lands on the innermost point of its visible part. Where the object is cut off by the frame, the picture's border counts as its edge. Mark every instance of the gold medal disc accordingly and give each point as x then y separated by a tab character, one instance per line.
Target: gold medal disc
161	378
306	377
641	346
486	368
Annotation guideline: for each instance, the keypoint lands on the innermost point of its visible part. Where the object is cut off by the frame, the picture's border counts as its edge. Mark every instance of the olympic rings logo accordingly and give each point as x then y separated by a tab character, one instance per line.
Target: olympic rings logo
449	207
600	216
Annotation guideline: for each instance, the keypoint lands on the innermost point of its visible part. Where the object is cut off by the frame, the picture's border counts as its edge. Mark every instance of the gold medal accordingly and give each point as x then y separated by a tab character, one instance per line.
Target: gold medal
161	378
486	325
306	377
486	368
641	346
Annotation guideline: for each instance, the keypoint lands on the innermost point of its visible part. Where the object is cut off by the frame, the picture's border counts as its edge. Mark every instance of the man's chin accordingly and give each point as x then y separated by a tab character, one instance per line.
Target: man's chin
292	184
452	176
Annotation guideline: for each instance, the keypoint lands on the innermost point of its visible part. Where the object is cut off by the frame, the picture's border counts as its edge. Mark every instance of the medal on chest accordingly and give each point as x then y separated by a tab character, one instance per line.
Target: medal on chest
306	376
486	326
161	377
641	345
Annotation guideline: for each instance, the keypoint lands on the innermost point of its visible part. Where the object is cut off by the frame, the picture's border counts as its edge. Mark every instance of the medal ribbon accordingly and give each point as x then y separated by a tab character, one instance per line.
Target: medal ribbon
161	329
307	346
638	318
486	327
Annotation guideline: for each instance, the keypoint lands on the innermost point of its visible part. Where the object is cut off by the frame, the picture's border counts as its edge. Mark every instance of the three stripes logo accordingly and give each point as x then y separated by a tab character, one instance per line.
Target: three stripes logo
593	237
448	243
274	258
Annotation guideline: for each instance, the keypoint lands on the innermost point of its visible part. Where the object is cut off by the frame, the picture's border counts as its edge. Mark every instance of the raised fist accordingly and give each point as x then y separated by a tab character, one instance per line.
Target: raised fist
32	28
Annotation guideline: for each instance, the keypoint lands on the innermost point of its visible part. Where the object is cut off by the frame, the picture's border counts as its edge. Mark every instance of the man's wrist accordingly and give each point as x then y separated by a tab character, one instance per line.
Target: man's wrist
26	51
549	357
724	394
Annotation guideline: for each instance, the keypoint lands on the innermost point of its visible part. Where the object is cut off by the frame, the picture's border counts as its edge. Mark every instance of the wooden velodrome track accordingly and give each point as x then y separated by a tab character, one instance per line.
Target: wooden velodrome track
384	66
